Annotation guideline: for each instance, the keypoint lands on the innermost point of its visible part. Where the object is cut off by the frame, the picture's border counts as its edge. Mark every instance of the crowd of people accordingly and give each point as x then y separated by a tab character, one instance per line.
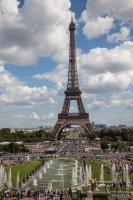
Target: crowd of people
121	163
42	194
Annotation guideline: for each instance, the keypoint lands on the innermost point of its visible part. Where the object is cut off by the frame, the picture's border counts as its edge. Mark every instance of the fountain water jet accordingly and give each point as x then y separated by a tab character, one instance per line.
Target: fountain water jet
34	182
73	177
81	175
6	177
127	179
113	173
62	176
1	174
48	165
17	181
10	179
102	175
50	186
87	175
90	172
124	174
44	170
76	169
40	175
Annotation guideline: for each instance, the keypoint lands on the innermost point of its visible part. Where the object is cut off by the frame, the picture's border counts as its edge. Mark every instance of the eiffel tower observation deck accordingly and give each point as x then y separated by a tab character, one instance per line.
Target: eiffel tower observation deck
72	93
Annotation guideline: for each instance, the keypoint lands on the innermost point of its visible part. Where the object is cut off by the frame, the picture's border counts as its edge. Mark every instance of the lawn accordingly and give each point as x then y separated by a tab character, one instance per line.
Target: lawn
96	168
23	169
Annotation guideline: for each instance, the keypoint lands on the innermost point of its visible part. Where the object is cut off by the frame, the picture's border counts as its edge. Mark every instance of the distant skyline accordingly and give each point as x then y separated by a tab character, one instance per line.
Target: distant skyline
34	41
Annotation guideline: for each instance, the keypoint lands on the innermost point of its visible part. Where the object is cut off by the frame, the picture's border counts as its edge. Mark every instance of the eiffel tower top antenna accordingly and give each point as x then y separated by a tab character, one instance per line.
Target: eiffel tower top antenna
72	71
71	16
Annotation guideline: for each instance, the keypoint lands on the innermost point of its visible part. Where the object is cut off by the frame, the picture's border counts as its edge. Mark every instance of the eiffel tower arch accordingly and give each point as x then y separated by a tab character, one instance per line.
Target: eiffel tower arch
72	92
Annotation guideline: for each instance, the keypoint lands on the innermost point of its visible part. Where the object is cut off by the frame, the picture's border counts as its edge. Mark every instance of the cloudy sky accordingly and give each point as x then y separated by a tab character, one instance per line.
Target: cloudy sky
34	40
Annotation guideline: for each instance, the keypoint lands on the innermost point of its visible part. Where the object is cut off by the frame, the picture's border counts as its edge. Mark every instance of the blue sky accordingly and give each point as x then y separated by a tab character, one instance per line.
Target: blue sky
34	40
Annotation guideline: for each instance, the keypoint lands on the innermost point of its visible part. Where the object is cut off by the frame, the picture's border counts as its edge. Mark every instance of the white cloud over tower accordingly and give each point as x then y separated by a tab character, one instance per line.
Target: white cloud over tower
102	15
16	93
40	29
9	7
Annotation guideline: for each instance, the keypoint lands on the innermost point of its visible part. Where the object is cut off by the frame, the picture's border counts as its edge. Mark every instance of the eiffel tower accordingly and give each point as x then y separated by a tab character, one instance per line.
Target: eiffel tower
65	118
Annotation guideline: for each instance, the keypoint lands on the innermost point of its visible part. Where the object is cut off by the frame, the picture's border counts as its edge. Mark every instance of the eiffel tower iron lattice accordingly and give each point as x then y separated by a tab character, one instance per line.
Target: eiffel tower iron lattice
72	92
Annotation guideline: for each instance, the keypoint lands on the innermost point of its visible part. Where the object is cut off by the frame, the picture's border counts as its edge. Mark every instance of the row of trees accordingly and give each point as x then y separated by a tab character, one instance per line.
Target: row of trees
116	139
119	145
13	148
38	136
111	135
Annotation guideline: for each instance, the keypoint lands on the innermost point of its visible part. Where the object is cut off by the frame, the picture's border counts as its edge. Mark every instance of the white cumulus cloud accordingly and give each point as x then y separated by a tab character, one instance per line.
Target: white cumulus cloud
34	116
97	27
100	16
123	35
38	30
9	6
104	75
15	92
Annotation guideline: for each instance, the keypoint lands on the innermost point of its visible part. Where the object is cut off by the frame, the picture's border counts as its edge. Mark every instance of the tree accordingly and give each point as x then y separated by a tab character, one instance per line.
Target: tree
5	134
92	136
14	148
104	145
119	145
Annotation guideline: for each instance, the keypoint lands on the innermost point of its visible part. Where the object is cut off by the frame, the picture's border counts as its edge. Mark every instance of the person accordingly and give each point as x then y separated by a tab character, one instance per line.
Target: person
28	193
70	193
79	195
89	195
17	195
52	195
61	195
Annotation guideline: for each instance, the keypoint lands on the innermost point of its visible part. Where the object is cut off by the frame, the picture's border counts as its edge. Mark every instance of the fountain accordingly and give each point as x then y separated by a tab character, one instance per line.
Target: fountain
48	165
44	170
127	179
17	181
3	176
40	175
113	173
81	175
10	179
34	182
28	158
76	169
90	172
50	187
62	176
67	173
74	180
87	177
51	162
6	177
2	172
124	174
102	175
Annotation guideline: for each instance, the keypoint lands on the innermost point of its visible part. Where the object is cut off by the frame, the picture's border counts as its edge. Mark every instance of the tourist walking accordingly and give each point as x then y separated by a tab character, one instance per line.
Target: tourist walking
70	193
61	195
79	195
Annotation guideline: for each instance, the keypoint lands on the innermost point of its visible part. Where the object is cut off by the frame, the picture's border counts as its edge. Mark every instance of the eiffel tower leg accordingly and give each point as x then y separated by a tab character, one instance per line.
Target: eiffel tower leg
66	105
88	128
58	128
80	105
63	122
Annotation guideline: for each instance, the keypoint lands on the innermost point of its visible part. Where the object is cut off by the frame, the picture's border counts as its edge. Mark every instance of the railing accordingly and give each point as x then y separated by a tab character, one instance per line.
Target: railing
73	114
